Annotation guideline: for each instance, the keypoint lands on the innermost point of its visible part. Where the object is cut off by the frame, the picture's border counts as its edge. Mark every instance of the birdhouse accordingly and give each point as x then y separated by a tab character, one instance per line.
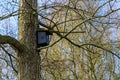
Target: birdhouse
43	38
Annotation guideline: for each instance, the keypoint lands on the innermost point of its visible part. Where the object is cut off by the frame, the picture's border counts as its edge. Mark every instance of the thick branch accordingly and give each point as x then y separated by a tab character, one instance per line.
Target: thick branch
13	42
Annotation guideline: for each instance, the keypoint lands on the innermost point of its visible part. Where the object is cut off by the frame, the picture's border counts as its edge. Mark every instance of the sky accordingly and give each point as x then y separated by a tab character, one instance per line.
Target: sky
7	7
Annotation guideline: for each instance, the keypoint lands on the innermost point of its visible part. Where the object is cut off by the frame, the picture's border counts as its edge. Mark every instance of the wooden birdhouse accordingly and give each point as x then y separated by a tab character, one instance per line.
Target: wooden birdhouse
43	38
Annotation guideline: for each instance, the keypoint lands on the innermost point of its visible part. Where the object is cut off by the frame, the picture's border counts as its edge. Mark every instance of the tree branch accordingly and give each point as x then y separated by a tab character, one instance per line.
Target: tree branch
8	15
13	42
10	56
7	52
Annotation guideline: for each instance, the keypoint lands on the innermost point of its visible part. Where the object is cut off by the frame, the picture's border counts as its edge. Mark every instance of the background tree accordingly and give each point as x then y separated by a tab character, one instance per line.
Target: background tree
82	45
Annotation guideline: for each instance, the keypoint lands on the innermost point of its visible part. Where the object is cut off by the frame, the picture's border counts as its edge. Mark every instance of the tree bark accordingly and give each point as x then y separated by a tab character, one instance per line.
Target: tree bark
28	62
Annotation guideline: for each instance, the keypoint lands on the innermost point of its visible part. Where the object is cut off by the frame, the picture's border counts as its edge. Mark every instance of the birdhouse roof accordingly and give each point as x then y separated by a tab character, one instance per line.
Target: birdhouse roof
48	32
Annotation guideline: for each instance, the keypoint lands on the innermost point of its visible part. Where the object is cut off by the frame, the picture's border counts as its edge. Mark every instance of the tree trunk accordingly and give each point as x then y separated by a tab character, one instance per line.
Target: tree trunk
28	62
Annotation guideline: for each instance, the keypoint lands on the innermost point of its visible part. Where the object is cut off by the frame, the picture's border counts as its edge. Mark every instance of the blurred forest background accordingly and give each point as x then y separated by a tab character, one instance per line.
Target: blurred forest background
85	44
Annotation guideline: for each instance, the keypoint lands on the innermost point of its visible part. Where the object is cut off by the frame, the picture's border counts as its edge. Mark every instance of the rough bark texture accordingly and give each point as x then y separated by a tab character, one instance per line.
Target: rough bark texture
28	62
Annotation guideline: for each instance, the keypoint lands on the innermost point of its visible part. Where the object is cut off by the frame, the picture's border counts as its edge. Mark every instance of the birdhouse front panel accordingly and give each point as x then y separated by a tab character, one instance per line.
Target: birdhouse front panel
42	39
